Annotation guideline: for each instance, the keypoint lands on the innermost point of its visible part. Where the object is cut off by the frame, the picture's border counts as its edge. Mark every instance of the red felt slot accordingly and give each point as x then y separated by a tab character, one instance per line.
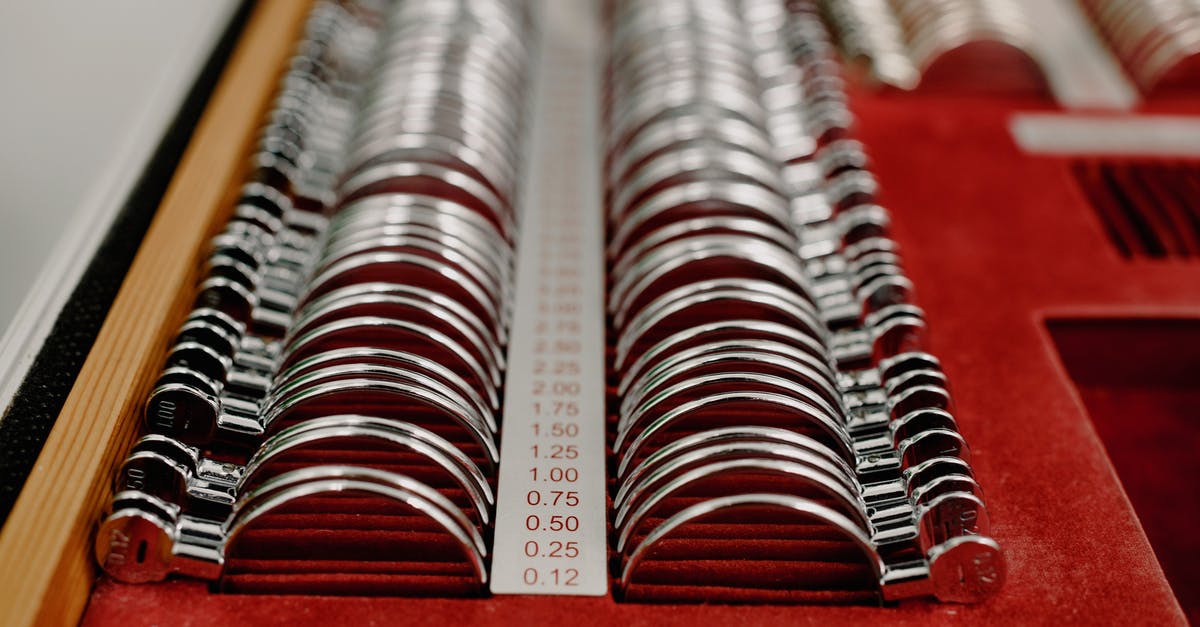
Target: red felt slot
1140	382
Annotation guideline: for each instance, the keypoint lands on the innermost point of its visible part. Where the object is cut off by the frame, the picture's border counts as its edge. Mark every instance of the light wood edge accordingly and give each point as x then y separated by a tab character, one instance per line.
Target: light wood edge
46	557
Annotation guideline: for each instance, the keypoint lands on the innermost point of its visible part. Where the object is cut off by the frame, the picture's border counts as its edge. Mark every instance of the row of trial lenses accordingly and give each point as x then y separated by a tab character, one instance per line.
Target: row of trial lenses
803	108
829	188
732	397
397	338
865	282
901	40
722	357
1158	40
221	362
895	395
937	26
418	254
400	332
870	36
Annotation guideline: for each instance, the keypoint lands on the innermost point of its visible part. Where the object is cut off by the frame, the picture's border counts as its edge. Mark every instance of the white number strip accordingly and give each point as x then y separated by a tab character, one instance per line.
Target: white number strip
1145	135
550	519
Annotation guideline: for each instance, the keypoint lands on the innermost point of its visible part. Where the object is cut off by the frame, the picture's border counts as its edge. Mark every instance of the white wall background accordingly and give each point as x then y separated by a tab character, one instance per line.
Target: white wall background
86	91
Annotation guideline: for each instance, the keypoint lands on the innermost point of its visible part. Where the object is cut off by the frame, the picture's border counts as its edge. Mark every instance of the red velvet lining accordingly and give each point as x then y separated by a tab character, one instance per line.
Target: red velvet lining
995	241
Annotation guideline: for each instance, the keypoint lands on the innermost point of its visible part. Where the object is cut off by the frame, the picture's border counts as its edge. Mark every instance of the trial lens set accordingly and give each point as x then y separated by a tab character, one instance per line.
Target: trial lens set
330	418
